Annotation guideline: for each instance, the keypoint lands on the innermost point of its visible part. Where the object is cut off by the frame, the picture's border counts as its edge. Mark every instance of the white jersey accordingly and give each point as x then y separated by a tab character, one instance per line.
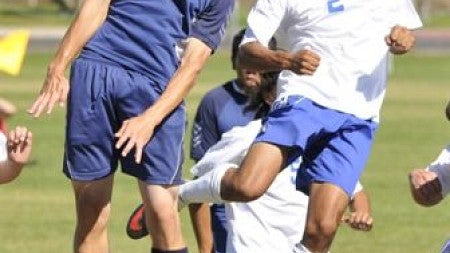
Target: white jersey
272	223
442	168
348	35
3	149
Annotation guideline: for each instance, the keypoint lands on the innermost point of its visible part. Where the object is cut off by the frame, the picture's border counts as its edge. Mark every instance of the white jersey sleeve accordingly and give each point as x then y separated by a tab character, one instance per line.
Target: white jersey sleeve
231	148
3	150
406	15
263	20
442	168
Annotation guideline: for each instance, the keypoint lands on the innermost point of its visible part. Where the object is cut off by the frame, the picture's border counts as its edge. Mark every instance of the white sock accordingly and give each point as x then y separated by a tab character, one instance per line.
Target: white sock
205	189
300	248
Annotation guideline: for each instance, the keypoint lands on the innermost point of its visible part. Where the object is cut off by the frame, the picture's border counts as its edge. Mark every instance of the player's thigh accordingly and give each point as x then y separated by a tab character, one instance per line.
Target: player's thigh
261	165
163	155
340	160
327	202
92	195
89	152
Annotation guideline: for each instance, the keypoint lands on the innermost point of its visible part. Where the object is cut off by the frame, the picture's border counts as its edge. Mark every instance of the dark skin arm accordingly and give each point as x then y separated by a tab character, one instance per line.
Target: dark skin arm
255	56
360	217
400	40
19	149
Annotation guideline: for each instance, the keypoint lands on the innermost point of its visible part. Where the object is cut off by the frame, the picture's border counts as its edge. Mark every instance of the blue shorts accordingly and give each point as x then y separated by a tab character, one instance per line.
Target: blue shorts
101	97
219	227
334	146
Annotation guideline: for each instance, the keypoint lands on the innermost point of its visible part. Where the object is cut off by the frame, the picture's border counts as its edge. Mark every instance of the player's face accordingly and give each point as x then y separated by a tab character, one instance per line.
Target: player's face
249	80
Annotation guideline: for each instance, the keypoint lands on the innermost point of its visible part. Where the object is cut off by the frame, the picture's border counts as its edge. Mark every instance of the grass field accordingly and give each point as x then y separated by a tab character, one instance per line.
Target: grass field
37	210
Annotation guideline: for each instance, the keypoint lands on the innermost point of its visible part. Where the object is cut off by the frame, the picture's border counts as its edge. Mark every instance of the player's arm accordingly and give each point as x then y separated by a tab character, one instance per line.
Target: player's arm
400	40
405	19
425	187
206	34
205	131
19	148
254	53
6	108
360	217
255	56
137	131
88	19
429	186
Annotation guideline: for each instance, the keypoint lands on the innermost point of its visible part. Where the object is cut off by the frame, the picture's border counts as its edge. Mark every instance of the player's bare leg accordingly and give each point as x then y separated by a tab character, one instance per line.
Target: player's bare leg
93	206
162	217
327	204
256	174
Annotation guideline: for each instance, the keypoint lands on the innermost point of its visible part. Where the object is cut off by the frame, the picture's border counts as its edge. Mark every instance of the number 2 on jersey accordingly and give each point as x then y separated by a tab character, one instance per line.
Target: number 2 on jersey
335	6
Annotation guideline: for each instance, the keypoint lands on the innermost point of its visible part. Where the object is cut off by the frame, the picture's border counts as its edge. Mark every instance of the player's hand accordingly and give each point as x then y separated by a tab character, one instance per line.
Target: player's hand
134	133
359	220
305	62
54	90
400	40
19	145
425	187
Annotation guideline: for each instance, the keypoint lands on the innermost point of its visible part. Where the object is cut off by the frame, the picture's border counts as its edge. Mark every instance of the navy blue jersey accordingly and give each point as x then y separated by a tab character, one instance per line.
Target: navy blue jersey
142	35
220	110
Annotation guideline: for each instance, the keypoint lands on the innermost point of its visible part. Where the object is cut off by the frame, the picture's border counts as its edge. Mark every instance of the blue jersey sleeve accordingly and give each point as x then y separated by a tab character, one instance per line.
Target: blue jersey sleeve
205	131
211	23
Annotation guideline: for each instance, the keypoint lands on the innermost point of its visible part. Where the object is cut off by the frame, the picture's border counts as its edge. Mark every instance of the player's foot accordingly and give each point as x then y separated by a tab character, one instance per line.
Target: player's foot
136	228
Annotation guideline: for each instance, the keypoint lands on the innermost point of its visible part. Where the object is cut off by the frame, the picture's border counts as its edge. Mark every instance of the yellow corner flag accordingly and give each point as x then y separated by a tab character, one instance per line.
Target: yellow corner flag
12	51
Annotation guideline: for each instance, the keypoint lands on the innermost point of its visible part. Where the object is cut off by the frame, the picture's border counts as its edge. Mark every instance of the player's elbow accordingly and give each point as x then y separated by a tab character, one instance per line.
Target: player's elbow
7	174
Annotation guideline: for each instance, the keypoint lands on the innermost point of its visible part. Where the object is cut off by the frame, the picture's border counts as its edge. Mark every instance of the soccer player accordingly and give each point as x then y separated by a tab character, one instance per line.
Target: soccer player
7	109
432	184
275	221
133	62
15	150
220	109
332	83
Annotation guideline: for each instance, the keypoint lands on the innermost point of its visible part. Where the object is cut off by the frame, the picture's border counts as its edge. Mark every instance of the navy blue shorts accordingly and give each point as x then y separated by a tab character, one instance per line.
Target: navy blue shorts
219	227
101	97
334	146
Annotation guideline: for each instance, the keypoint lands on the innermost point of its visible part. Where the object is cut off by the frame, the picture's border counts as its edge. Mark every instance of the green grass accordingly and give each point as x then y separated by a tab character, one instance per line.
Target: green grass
37	210
439	20
25	16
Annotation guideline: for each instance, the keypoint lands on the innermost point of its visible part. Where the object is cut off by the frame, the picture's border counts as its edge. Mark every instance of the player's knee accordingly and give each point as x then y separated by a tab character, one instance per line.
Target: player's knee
93	220
164	215
248	192
321	230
